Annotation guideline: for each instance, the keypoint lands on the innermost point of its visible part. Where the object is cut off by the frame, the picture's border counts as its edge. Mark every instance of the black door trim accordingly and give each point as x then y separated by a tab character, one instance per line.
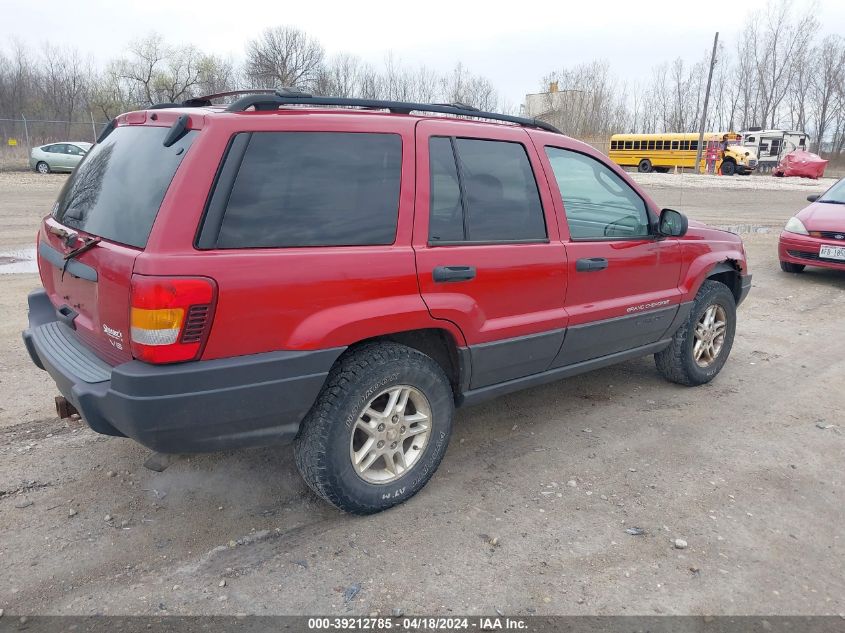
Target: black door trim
610	336
499	361
476	396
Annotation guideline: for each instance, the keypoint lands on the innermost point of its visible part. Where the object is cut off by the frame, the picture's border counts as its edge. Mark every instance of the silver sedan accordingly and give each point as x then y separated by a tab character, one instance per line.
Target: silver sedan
58	156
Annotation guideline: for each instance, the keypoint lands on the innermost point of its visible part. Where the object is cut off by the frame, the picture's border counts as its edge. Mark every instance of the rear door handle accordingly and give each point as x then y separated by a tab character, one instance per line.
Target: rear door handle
590	264
453	273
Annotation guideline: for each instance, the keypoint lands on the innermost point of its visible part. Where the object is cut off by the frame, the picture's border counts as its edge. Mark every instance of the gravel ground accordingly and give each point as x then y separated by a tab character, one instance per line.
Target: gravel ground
528	512
730	183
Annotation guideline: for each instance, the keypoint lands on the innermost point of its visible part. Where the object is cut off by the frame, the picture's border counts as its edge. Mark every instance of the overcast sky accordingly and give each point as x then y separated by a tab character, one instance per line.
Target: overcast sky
512	43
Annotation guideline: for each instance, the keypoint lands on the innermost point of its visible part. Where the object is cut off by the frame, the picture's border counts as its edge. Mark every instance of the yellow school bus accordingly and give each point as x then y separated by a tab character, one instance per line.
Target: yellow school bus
662	152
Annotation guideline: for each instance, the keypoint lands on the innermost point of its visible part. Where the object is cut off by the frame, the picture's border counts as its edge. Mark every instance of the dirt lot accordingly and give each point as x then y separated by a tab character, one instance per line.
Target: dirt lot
748	470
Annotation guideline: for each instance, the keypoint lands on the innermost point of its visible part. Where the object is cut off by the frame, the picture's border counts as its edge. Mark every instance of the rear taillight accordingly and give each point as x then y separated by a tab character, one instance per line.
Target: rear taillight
170	317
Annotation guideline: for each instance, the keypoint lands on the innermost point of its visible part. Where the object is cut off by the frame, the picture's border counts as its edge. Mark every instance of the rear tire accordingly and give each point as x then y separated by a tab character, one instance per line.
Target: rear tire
789	267
679	362
354	407
42	168
645	166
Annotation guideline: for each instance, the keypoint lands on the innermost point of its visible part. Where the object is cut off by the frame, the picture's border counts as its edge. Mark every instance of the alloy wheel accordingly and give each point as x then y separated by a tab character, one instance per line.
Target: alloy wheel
709	335
390	434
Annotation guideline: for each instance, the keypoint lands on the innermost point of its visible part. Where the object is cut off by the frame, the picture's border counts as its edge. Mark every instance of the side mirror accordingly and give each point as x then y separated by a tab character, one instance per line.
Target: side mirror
672	223
814	197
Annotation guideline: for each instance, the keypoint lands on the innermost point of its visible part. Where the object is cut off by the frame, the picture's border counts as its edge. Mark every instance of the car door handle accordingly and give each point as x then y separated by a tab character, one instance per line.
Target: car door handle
590	264
453	273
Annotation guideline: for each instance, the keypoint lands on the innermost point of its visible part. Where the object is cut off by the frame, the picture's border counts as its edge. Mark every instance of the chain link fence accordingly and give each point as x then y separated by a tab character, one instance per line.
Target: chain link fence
19	135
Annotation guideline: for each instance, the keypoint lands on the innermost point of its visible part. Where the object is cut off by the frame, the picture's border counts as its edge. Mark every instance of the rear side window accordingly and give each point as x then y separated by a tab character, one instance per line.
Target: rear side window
314	189
118	187
488	195
446	220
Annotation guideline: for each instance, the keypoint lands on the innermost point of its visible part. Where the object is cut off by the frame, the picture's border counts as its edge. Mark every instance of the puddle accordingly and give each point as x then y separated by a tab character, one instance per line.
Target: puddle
743	229
18	262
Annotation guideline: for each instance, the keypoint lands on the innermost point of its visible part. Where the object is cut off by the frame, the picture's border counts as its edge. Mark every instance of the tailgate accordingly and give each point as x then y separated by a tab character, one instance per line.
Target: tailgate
112	197
92	292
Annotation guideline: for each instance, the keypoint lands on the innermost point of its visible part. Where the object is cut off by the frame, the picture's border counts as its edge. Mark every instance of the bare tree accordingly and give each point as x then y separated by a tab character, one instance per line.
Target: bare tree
65	81
782	39
111	93
141	68
284	56
180	74
828	60
461	86
340	77
216	74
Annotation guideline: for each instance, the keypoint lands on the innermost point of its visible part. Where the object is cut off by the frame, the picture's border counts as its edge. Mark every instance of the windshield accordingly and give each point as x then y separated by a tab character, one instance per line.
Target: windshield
834	195
118	187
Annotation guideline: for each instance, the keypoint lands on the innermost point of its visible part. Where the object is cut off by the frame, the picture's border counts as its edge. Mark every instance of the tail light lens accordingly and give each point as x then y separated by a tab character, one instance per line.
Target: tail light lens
170	317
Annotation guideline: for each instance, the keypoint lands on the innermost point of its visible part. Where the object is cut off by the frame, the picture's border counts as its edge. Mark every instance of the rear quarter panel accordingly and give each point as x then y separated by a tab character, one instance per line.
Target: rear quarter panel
291	298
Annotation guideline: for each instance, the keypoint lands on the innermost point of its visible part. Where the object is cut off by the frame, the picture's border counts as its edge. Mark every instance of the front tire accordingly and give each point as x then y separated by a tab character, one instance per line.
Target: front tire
42	168
378	430
645	166
789	267
728	168
701	346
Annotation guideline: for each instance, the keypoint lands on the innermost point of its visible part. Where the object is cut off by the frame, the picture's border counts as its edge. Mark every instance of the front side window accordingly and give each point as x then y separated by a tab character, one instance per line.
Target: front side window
598	203
314	189
483	191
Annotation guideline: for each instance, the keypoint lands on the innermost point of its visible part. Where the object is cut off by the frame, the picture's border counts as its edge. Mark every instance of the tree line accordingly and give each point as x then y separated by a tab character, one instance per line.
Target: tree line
780	72
58	83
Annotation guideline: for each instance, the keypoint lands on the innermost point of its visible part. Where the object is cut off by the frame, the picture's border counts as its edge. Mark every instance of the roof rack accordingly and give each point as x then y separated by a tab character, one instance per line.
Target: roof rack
205	100
289	96
268	99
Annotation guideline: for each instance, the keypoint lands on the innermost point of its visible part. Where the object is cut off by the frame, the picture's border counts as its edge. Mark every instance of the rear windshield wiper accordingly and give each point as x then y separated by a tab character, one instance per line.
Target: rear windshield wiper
76	252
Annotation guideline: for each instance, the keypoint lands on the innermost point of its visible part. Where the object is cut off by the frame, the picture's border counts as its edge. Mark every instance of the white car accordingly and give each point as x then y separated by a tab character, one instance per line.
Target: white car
58	156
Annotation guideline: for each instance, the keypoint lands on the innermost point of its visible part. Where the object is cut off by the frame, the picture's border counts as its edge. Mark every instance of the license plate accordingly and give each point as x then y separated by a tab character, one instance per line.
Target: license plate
828	251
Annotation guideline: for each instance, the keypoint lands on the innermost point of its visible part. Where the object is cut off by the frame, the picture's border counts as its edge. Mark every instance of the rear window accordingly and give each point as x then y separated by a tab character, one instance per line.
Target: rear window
314	189
117	189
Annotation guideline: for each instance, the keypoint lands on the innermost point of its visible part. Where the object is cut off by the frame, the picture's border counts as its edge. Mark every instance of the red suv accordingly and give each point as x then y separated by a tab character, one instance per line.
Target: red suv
342	274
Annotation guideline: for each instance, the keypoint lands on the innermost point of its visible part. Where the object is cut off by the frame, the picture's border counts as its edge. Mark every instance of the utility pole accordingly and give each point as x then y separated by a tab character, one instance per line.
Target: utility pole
706	101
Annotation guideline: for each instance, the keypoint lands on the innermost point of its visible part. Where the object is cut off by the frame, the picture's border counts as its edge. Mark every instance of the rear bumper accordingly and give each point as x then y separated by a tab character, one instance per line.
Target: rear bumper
199	406
801	249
